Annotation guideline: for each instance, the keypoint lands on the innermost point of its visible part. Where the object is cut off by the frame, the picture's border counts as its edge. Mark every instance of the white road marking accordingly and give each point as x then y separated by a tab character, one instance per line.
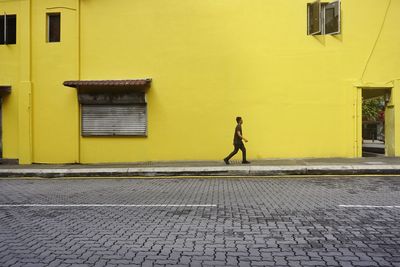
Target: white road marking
107	205
369	206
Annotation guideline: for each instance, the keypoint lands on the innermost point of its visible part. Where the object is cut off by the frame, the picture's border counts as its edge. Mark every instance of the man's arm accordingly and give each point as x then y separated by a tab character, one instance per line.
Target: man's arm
241	137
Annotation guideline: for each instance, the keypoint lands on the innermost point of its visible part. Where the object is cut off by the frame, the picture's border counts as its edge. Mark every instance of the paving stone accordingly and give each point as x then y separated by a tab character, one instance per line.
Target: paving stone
256	221
313	263
33	264
364	263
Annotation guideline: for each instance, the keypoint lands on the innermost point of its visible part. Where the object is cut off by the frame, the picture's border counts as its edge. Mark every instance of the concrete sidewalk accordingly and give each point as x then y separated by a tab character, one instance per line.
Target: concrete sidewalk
331	166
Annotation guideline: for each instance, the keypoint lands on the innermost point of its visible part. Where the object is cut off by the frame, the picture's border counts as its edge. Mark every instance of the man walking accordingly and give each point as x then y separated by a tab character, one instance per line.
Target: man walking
238	142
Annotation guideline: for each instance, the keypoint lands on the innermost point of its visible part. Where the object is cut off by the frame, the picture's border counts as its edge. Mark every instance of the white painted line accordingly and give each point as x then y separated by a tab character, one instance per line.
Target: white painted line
369	206
107	205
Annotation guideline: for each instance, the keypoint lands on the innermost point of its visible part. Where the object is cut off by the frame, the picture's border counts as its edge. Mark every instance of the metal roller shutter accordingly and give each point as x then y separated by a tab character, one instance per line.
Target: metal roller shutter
114	120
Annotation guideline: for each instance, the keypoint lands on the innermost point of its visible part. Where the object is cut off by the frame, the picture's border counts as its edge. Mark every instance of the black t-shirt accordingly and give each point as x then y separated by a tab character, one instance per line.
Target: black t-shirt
236	137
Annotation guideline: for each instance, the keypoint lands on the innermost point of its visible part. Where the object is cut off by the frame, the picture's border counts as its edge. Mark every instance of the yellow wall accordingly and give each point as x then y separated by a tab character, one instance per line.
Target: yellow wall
211	61
55	107
10	75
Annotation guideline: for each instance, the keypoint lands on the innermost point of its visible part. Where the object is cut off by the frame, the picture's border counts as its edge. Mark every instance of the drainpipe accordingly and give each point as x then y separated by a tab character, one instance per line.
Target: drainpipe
79	77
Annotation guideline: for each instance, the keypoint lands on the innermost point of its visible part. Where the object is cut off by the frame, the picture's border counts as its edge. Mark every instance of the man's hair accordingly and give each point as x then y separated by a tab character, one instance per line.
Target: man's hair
238	119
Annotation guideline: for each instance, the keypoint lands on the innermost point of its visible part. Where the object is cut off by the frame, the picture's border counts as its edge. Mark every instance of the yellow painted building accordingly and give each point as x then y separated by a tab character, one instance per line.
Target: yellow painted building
190	67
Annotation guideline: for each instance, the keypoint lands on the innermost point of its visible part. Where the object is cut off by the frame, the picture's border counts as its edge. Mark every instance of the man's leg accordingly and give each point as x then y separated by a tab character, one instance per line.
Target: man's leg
236	149
243	148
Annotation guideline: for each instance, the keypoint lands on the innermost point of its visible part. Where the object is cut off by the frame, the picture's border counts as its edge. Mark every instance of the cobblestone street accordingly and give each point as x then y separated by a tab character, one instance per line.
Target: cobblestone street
201	222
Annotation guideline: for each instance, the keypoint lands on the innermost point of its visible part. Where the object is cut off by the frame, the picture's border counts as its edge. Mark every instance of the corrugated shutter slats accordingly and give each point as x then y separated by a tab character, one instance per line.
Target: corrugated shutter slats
114	120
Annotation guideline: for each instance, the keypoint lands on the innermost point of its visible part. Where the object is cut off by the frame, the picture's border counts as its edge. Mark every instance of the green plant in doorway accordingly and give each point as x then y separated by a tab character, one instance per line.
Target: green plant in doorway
373	108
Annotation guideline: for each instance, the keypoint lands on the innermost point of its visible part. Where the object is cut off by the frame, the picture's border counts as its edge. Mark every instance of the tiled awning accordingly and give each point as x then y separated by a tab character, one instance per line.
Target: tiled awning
5	90
109	85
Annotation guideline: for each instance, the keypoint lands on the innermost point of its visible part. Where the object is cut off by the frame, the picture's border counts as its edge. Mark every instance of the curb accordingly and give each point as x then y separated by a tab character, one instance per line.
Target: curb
234	171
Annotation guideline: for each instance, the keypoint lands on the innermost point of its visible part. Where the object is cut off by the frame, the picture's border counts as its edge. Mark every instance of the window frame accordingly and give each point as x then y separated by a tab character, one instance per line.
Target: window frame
335	5
3	29
310	6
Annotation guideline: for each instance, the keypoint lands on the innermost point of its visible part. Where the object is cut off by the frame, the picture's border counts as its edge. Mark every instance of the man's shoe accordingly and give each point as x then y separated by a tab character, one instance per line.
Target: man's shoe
226	161
245	162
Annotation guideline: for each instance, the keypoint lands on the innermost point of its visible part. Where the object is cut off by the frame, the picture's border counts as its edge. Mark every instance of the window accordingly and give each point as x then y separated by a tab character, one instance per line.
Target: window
314	18
53	27
116	114
323	18
8	29
112	107
332	18
114	120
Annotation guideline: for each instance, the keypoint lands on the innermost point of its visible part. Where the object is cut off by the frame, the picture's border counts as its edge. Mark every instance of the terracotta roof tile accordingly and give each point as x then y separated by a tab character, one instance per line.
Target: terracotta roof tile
107	83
